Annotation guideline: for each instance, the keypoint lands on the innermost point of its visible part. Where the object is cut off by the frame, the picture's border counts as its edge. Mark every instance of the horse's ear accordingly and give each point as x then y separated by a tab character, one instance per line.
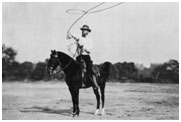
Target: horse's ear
51	51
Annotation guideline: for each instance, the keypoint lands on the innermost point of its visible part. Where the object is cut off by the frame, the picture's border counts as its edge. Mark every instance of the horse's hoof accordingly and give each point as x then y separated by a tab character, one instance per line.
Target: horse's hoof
96	112
75	114
103	112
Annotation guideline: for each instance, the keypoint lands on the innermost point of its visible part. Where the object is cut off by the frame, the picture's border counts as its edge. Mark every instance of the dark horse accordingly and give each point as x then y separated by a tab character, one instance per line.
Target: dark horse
73	72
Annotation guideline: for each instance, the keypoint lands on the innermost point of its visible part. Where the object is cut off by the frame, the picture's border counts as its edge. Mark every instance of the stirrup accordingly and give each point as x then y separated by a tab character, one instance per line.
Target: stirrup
83	85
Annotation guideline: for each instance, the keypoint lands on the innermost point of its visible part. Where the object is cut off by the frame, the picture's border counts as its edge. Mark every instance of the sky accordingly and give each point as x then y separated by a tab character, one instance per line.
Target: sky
137	32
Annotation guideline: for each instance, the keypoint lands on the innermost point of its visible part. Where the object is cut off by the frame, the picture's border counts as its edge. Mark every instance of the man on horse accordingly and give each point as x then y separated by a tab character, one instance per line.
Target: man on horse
84	48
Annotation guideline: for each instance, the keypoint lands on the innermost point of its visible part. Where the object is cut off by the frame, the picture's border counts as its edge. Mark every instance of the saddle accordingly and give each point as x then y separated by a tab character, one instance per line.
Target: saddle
95	68
84	72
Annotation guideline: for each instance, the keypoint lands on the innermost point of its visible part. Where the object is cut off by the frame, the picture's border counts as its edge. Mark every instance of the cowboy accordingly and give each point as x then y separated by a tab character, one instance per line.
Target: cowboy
84	50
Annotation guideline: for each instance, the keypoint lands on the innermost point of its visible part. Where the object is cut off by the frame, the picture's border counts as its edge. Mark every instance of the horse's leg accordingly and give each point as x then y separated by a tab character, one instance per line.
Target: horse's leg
102	89
75	99
96	92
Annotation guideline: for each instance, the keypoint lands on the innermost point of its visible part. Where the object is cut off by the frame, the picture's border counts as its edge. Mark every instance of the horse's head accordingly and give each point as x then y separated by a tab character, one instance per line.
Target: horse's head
53	62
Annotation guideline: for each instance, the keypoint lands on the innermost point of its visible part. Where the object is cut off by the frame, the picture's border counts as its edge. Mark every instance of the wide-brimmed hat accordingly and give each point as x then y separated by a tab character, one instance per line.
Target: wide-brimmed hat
85	27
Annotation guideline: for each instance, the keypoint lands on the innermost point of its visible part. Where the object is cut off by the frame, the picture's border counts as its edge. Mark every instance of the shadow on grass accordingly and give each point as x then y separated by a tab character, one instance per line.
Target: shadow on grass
65	112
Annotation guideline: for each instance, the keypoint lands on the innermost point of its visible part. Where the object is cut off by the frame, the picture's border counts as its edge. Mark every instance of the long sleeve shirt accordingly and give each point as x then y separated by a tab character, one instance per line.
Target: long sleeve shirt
85	42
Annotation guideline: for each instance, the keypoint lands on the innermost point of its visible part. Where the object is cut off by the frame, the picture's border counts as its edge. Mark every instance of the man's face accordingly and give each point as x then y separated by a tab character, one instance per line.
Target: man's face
85	32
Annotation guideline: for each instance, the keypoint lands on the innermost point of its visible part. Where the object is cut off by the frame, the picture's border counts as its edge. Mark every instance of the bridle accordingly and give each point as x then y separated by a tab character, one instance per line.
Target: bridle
59	63
56	56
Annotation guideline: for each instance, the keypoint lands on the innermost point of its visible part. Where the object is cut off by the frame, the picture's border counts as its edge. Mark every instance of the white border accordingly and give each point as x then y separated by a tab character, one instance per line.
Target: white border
90	1
85	1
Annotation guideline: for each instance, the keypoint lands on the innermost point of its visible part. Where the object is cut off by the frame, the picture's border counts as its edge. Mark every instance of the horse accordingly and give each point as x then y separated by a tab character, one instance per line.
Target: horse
73	72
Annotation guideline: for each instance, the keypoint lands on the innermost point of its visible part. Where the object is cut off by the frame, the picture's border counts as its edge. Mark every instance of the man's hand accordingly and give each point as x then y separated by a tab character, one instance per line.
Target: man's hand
69	36
86	51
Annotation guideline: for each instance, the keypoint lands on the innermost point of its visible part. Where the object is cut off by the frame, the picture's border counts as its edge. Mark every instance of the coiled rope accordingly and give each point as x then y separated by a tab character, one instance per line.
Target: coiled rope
71	11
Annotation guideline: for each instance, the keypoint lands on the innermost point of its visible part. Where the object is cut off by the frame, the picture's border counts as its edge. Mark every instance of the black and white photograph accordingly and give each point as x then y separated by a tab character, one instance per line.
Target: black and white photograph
90	60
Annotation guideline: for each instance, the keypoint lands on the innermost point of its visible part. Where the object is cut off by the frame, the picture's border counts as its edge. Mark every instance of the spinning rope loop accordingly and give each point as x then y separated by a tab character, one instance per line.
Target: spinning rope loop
78	11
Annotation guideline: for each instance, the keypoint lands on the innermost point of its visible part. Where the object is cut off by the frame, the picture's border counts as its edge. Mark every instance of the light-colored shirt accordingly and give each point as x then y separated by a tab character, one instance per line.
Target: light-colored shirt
86	42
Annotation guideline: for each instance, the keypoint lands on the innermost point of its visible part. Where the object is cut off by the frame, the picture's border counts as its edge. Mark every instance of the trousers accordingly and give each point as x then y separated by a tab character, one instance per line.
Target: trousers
88	63
89	70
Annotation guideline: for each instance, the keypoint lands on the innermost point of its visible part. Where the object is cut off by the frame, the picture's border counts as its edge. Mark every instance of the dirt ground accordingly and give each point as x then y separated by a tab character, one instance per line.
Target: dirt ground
126	101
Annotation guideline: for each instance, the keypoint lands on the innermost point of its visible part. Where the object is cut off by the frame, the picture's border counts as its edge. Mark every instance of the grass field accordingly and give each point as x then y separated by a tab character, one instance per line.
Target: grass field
52	101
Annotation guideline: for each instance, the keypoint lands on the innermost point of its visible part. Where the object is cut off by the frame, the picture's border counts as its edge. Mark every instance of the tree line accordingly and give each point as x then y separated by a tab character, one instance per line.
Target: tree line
167	72
12	70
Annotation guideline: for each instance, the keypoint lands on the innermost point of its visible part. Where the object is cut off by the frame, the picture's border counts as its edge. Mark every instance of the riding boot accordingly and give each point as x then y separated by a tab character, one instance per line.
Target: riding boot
92	76
83	80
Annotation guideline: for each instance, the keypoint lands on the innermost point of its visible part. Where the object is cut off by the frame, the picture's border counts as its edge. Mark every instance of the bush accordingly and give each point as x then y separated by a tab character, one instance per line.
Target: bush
39	72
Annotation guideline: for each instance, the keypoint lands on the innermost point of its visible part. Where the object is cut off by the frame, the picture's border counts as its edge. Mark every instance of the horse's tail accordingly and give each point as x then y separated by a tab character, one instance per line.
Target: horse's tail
105	69
106	66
